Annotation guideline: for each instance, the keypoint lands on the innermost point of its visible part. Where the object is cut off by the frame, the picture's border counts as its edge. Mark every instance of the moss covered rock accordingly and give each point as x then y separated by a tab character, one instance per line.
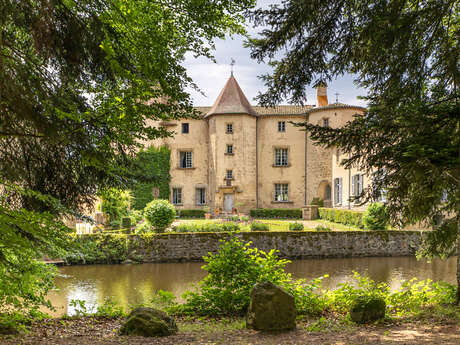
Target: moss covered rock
149	322
271	308
367	309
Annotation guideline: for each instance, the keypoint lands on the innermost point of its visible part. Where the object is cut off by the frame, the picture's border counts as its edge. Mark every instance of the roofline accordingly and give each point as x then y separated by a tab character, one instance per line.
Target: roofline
335	106
228	113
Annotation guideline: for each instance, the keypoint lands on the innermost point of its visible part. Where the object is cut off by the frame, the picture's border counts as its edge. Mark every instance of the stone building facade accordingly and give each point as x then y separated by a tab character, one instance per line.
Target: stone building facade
238	157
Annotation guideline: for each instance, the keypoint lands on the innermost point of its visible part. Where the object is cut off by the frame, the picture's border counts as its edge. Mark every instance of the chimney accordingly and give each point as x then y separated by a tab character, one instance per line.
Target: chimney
321	94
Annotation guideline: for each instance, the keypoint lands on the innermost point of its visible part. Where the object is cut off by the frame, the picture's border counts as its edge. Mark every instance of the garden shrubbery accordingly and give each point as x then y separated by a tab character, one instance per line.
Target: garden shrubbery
296	226
191	213
237	267
346	217
207	227
376	217
160	214
282	213
259	227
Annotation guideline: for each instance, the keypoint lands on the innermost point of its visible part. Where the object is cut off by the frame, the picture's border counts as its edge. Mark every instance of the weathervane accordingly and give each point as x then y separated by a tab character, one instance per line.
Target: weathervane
337	97
232	63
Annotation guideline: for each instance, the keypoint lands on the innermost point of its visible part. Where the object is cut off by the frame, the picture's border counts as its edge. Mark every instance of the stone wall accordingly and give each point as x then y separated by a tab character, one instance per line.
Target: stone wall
293	245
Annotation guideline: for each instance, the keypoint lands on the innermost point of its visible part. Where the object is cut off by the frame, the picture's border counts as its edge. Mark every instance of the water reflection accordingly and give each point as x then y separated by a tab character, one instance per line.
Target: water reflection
132	284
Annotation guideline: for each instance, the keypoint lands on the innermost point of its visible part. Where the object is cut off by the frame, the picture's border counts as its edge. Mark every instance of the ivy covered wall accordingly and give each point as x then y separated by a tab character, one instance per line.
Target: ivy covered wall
152	171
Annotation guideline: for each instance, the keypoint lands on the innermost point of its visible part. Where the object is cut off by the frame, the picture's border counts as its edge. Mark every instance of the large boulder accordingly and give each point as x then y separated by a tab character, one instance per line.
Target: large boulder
271	308
149	322
367	309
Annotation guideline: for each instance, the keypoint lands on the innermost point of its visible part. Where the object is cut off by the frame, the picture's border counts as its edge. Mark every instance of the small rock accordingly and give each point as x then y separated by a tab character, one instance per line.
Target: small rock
367	309
149	322
271	308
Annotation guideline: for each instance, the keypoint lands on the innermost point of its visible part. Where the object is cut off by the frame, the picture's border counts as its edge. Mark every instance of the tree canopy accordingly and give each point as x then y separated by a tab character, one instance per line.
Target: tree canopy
81	84
405	53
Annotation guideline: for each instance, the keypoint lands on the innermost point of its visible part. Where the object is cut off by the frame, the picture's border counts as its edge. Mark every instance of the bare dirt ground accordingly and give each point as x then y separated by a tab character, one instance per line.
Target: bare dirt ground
105	332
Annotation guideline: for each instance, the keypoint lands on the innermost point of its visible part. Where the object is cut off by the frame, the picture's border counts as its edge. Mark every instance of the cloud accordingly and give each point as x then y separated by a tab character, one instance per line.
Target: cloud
211	77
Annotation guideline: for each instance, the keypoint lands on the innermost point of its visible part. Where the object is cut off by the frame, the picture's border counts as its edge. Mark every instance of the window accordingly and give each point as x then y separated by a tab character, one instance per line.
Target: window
281	192
338	157
185	159
229	149
281	157
325	122
379	192
338	191
229	128
357	185
177	196
281	126
200	195
229	175
185	128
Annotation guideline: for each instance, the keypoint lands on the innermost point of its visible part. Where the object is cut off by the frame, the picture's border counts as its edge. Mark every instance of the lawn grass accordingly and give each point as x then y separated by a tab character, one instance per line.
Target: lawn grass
279	224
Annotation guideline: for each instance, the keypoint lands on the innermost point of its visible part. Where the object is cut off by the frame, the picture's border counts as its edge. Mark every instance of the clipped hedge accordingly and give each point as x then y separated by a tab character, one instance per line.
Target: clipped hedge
191	213
287	213
259	227
346	217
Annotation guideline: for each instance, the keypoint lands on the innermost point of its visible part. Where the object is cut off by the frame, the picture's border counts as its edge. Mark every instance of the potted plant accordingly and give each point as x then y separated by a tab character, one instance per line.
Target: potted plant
207	214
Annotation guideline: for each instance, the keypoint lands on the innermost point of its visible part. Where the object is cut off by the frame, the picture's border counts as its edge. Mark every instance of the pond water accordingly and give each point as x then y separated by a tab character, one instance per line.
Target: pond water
133	284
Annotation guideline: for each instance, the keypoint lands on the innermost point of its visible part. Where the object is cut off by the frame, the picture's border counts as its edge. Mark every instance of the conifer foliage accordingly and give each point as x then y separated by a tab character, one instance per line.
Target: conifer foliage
406	55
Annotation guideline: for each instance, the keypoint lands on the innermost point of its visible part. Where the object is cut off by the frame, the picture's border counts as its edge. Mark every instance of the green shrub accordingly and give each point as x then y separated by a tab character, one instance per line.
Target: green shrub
232	272
346	217
287	213
296	226
255	226
116	203
143	228
207	227
136	216
376	217
98	249
160	214
191	213
322	228
126	223
110	309
318	202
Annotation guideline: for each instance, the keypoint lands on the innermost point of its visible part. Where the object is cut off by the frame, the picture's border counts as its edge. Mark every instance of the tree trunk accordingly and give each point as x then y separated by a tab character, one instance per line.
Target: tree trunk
457	299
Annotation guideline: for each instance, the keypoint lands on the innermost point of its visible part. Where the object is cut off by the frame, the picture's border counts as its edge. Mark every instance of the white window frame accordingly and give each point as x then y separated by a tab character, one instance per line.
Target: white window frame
282	126
200	196
281	192
338	191
186	159
357	185
229	174
281	157
176	196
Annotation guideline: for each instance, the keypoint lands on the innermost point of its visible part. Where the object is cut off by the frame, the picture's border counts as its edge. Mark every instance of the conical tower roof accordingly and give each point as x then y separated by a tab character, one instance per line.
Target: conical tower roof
231	100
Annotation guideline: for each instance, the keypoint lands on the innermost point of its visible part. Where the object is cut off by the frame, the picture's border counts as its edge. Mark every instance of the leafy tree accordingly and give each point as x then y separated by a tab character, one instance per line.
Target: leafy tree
116	203
406	54
81	84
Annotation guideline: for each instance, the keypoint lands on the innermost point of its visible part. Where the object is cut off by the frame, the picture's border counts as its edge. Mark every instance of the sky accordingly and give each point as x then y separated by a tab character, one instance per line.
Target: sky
211	77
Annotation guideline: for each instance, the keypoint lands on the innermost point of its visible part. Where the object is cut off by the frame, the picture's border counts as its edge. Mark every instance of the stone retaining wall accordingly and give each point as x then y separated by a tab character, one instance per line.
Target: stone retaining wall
293	245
